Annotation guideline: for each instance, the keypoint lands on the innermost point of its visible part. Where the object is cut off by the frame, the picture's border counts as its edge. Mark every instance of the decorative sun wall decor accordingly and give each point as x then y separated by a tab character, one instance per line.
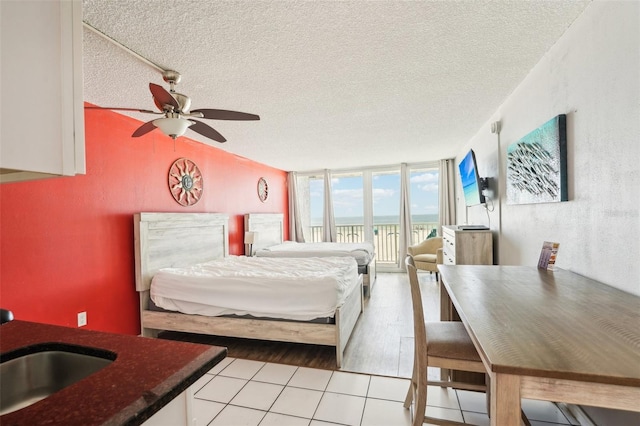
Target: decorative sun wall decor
263	189
537	165
185	182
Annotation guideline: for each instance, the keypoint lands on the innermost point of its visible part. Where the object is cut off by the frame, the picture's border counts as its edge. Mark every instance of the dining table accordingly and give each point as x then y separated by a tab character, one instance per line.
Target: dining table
551	335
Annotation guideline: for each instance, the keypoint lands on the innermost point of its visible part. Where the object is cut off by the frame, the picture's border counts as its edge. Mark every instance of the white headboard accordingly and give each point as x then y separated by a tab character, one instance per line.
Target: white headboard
269	228
165	240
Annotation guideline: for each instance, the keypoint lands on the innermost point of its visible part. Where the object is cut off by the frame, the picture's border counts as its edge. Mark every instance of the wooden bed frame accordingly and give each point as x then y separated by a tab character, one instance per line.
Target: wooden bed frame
270	231
179	239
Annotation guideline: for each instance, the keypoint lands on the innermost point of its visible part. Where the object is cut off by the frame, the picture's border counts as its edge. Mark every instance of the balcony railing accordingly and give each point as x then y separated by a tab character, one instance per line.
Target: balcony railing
385	237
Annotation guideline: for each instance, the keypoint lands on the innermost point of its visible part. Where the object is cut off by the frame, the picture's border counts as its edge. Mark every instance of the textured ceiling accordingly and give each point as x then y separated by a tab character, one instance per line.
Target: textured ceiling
337	84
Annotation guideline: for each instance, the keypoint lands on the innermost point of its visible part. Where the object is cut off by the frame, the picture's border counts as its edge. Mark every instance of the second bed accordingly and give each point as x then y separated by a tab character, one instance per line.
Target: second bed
269	231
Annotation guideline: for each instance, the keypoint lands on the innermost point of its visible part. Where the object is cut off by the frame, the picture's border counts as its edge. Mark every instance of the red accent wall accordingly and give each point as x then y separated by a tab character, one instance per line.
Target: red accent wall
66	244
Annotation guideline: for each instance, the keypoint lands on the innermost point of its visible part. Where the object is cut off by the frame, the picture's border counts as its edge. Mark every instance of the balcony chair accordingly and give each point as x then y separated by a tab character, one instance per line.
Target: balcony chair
427	254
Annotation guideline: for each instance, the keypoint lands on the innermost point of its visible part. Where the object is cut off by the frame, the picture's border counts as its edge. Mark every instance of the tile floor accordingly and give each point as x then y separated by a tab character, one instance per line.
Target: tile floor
242	392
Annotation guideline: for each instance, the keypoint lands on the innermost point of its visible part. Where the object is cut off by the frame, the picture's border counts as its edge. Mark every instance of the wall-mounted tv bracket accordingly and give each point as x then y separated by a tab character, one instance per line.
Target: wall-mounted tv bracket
484	183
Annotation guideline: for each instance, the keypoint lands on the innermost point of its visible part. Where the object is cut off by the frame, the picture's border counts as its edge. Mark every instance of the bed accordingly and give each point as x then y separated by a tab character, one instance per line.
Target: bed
165	241
269	242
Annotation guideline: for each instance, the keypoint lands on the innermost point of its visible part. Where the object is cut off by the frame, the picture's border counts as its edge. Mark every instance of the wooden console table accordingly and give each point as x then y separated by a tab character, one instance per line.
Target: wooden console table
554	336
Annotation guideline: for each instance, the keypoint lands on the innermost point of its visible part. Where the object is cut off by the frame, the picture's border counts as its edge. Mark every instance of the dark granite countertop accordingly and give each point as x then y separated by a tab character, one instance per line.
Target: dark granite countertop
145	376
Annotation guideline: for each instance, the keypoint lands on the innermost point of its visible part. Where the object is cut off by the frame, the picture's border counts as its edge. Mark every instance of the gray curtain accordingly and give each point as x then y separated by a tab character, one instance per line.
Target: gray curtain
328	220
406	235
295	221
447	194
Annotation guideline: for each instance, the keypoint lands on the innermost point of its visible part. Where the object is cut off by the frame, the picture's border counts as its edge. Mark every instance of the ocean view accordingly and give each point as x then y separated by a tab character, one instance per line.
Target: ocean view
377	220
350	229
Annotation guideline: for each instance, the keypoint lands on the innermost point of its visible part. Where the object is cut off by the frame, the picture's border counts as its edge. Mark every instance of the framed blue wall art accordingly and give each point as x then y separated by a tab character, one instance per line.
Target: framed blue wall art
537	165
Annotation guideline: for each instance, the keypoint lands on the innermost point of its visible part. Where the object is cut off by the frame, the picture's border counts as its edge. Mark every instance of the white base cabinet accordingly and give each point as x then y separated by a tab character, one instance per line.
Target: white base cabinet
42	130
178	412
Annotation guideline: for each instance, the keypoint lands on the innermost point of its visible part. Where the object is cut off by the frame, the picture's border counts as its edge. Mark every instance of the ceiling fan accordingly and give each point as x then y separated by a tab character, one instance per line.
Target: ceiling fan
178	116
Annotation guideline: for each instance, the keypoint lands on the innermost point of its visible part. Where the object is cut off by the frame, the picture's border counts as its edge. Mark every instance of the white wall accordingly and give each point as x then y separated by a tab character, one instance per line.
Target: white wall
592	74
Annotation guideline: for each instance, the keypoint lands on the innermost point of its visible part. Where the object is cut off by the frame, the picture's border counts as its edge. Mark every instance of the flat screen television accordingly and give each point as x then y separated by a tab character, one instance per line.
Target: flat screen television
470	180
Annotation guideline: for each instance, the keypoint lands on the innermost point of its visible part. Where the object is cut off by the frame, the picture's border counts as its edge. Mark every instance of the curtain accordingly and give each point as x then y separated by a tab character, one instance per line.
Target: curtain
406	233
295	220
447	195
328	220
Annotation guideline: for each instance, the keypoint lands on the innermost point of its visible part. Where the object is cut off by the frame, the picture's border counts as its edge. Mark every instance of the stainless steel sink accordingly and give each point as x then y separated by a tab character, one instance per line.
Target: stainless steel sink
32	374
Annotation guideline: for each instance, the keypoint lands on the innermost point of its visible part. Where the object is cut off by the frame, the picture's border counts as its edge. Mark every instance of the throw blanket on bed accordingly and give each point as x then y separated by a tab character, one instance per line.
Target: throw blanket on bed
262	287
362	252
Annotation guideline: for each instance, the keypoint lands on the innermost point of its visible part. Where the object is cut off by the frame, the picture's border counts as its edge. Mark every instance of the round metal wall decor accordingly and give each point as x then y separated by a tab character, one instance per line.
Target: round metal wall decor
263	189
185	182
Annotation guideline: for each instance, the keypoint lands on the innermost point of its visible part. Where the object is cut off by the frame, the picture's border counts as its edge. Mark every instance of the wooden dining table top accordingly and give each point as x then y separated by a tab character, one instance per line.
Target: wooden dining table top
556	324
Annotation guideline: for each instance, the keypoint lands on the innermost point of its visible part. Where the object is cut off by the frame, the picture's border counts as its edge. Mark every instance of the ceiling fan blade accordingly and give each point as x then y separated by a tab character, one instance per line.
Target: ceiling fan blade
161	97
222	114
124	109
144	129
206	130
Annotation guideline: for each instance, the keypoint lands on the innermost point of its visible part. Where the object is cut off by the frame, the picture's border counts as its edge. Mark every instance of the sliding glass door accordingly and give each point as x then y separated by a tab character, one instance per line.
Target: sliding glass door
311	202
424	184
348	206
386	215
366	206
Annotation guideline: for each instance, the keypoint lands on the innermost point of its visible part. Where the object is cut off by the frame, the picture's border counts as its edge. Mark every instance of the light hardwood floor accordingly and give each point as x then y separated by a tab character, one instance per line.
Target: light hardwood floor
381	344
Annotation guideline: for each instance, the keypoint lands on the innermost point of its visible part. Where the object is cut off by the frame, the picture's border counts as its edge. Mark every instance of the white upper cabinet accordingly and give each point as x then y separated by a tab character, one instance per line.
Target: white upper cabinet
42	115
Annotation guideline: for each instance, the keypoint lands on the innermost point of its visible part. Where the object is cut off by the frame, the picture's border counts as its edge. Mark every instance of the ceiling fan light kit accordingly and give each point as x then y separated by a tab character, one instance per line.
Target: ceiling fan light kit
172	127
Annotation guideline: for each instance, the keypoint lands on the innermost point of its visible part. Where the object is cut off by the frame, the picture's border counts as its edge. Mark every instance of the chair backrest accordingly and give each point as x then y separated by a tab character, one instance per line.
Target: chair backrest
419	329
433	244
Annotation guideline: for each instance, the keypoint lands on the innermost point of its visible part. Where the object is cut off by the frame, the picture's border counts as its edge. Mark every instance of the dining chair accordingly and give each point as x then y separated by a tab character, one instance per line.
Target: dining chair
443	344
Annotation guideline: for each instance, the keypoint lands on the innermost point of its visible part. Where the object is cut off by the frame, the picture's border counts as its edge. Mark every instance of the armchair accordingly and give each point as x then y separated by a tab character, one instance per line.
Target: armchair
427	254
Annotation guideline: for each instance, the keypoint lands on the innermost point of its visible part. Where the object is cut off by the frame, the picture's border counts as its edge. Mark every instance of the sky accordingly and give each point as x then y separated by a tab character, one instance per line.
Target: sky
348	194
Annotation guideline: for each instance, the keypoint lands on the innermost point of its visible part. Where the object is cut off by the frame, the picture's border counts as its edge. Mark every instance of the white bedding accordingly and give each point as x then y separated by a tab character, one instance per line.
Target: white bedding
263	287
361	252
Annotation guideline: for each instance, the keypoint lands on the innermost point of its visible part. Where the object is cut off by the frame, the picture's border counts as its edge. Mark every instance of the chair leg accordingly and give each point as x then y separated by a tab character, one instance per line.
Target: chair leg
417	394
412	388
409	398
420	406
